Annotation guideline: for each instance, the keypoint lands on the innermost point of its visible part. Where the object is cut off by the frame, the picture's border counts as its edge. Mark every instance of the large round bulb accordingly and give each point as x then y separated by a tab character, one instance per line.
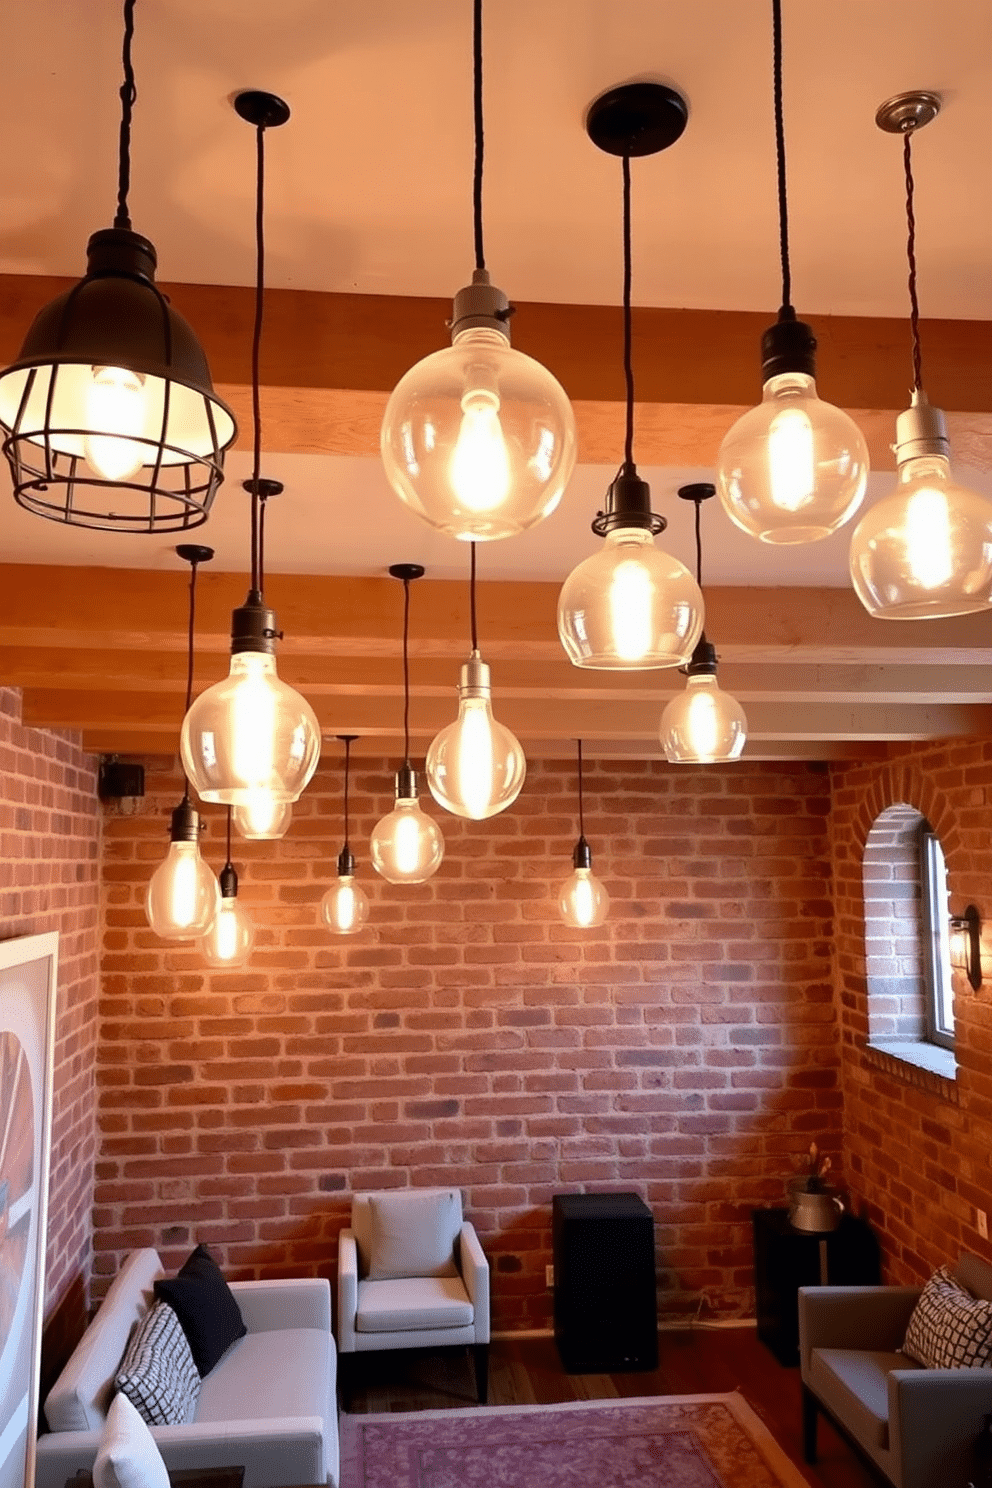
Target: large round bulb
794	469
406	844
479	439
630	605
115	406
475	766
228	942
262	819
250	734
183	896
583	902
925	550
703	724
344	908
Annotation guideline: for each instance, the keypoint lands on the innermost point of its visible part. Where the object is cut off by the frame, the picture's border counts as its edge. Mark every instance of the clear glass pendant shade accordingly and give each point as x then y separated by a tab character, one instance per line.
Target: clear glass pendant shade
925	550
794	469
250	734
262	819
703	724
475	766
583	901
228	942
630	605
406	845
345	907
183	896
479	439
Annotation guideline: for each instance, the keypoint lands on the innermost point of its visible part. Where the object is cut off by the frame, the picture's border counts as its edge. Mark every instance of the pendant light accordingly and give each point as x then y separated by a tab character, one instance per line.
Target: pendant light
345	908
925	550
475	766
183	897
228	942
406	845
263	819
703	724
252	740
794	469
108	415
631	606
479	439
583	901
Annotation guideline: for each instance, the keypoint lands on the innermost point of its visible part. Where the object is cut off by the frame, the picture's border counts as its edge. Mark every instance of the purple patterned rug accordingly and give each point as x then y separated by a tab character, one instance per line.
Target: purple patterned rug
668	1441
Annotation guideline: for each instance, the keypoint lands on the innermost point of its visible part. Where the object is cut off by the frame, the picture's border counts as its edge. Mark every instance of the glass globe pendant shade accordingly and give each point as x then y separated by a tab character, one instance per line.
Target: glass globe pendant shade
583	901
479	439
406	845
475	766
228	942
345	907
703	724
263	819
251	734
925	550
183	896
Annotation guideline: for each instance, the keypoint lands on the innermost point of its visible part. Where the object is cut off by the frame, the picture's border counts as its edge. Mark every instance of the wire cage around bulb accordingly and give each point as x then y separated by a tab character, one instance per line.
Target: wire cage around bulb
109	417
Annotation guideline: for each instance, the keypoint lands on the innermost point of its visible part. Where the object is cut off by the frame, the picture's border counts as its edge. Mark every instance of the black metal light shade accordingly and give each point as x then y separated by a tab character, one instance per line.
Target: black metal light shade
109	417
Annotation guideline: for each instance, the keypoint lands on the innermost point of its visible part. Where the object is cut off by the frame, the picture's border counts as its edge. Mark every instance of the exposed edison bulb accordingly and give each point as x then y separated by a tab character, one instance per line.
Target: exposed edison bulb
794	469
703	724
583	901
475	766
406	844
228	942
480	464
925	550
345	907
115	406
262	819
250	735
183	895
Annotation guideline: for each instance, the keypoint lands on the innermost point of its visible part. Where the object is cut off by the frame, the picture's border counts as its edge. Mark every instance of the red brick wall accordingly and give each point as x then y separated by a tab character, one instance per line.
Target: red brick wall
686	1050
49	880
918	1146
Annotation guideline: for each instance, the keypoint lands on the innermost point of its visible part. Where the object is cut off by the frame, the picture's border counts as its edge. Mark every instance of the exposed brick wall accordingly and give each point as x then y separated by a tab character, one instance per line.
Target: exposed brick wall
917	1146
687	1050
49	880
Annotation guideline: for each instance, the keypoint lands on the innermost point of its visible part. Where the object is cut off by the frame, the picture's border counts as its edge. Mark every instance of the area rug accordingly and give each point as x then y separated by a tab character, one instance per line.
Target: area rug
665	1441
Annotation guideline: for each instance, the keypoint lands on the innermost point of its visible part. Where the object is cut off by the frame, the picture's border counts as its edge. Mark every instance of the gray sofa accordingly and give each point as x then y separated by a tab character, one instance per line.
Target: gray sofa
269	1405
919	1426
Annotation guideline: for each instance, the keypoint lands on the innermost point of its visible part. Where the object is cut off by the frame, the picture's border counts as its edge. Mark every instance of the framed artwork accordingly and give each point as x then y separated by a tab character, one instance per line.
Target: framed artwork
28	974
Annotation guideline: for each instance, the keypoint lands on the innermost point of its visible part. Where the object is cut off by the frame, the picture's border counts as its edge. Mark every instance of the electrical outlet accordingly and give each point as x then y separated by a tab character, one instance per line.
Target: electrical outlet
982	1223
549	1274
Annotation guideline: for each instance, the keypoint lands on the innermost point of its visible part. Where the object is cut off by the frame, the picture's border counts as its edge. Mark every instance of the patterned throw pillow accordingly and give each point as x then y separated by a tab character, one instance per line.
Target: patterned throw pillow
949	1328
157	1373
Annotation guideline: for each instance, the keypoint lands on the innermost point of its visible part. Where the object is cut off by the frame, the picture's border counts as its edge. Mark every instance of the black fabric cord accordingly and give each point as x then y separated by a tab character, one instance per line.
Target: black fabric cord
480	255
230	813
191	631
628	364
582	823
783	201
406	670
699	544
471	591
128	94
914	317
256	343
347	772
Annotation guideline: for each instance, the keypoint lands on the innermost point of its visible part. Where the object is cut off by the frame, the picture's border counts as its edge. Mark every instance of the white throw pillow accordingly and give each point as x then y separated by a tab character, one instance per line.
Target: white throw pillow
128	1456
413	1234
157	1373
949	1328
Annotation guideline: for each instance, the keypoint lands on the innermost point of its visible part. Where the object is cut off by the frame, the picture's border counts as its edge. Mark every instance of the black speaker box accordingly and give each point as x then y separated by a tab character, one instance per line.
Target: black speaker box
605	1298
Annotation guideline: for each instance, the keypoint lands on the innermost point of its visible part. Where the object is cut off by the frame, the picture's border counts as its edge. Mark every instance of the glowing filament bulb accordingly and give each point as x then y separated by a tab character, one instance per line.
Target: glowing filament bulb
631	609
253	730
406	850
115	405
480	461
474	758
928	538
184	901
583	901
791	460
226	934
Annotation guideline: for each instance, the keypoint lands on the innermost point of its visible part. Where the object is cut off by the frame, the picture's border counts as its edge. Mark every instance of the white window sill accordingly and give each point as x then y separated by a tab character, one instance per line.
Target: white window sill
930	1057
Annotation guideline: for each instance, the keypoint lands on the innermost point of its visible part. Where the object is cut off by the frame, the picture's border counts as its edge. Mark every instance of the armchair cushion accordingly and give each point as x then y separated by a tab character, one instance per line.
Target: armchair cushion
949	1328
157	1373
853	1384
127	1456
412	1304
412	1233
205	1307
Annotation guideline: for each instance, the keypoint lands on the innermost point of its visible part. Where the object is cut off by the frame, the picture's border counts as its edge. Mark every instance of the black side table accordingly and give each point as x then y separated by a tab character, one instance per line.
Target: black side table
606	1305
786	1259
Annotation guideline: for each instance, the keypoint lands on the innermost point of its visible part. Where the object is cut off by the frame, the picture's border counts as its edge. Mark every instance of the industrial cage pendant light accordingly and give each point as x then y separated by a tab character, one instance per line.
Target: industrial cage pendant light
228	942
108	415
345	907
583	901
252	740
406	845
183	896
703	724
794	469
479	439
475	766
925	550
631	606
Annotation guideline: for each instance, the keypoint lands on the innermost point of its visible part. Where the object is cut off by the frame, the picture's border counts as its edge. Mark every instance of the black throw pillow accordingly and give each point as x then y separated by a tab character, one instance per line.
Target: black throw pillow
205	1306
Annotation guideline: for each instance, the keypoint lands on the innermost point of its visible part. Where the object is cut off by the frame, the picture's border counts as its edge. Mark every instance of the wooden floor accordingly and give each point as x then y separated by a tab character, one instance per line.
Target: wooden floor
528	1371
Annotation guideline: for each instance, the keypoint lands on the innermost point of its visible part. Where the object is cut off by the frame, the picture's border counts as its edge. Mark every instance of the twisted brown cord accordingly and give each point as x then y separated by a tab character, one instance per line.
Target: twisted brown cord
256	344
783	202
128	96
480	255
628	364
914	316
582	824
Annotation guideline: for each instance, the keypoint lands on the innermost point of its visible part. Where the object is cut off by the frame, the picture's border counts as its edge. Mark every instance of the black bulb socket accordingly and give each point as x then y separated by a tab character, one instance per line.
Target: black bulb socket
346	862
185	822
119	252
582	854
406	782
228	882
703	659
628	504
253	626
788	346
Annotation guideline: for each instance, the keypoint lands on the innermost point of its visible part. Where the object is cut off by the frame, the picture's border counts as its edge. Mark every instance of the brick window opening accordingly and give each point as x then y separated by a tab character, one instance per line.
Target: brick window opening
910	1004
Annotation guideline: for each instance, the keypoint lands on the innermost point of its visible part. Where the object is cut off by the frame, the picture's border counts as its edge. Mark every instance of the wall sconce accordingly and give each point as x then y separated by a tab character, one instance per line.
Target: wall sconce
966	944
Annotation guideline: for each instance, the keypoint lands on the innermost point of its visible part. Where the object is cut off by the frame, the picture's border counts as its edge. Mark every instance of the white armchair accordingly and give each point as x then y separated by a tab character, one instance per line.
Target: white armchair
412	1274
